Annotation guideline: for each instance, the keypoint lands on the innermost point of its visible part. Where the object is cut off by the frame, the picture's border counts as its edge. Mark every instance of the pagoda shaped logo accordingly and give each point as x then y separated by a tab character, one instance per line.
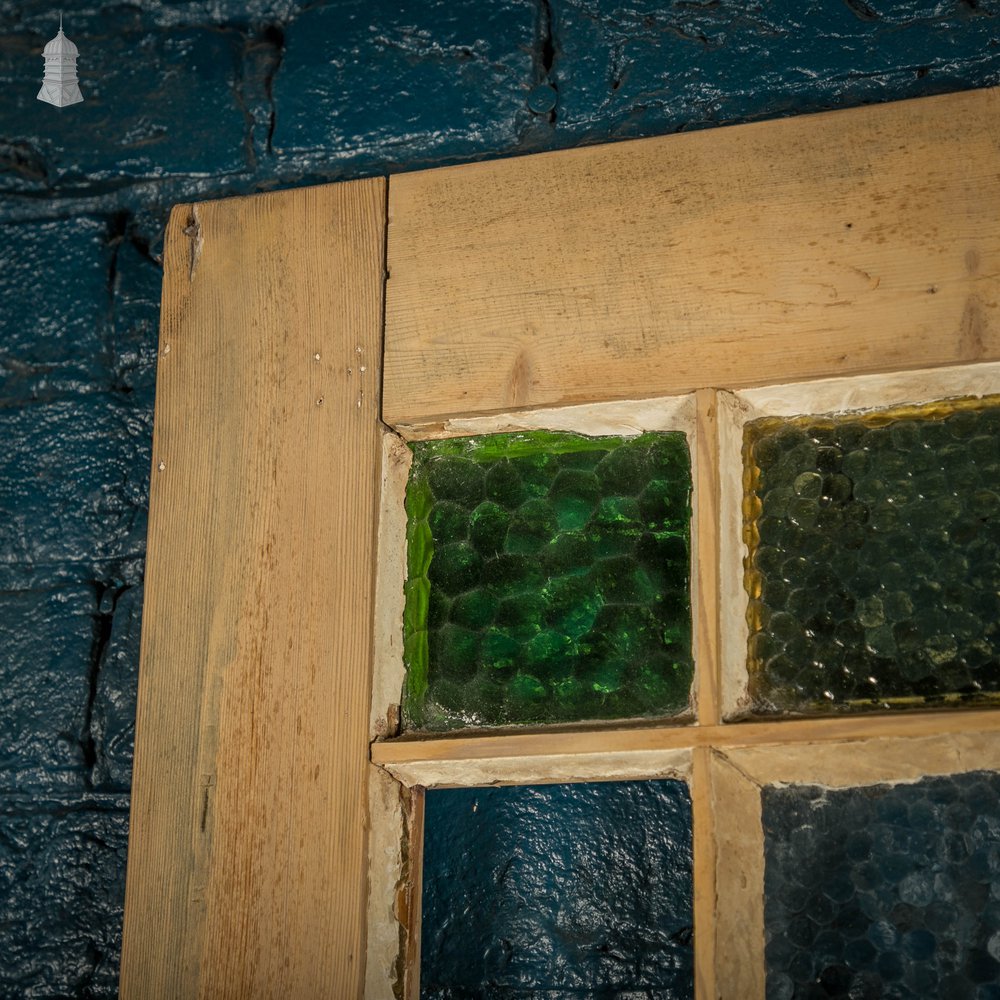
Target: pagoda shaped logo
60	86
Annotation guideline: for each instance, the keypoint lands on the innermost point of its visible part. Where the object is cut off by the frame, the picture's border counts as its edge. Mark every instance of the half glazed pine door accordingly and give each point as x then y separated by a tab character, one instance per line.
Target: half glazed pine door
782	296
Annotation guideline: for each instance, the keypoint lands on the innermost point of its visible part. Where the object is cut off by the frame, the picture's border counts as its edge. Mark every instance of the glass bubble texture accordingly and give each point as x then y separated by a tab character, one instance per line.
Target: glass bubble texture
547	579
874	558
883	891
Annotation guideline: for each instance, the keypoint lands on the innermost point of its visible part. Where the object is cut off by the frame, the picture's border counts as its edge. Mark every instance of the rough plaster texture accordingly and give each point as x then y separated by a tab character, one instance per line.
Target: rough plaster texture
204	98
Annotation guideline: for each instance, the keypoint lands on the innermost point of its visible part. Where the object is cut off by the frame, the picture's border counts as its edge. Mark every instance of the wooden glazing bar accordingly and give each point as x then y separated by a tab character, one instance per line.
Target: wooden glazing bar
622	741
739	882
414	901
703	821
705	560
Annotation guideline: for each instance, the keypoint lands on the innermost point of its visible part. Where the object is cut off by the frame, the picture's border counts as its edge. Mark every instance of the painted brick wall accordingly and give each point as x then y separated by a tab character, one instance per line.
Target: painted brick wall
199	99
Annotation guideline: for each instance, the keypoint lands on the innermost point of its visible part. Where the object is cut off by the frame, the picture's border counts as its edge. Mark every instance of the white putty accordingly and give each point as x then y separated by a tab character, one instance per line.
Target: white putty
622	417
388	671
628	765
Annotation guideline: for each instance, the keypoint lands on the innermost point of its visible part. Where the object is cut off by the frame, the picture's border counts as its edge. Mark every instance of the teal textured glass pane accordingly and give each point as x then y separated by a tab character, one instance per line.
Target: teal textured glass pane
874	558
883	891
547	579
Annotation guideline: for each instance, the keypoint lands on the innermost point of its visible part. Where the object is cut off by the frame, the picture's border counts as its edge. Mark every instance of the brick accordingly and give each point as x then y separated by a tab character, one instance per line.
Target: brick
156	103
135	321
62	888
53	327
370	83
112	724
46	641
73	481
648	68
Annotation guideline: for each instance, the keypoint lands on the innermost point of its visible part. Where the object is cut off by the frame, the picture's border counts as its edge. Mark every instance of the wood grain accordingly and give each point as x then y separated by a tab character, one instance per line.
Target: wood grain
705	564
705	857
739	883
881	759
833	244
415	890
247	854
620	742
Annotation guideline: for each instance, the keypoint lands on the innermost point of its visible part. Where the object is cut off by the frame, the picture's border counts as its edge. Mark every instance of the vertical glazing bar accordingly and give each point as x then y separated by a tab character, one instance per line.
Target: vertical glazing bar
703	827
705	559
411	974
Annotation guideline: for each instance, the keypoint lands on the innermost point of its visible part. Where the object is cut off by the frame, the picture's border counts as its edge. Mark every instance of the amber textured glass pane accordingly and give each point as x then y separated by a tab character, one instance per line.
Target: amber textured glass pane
547	579
874	558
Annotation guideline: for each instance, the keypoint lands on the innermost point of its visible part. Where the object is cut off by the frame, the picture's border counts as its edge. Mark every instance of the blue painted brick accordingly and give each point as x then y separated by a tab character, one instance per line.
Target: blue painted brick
135	321
62	880
370	81
37	15
112	723
155	103
73	477
46	640
53	322
651	68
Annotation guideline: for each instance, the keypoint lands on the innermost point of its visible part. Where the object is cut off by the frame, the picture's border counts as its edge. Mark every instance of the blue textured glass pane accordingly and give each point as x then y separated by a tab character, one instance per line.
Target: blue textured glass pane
885	891
558	891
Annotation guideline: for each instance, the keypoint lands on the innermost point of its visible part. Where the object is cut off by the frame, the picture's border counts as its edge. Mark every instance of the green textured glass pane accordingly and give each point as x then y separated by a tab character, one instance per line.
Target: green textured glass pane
874	558
547	579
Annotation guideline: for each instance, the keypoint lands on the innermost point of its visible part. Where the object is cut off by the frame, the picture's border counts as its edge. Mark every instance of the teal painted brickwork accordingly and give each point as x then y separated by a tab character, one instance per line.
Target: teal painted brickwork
206	98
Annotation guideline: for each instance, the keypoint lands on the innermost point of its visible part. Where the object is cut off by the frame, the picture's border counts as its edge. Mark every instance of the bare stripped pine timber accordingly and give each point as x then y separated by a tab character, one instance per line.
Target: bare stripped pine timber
739	928
842	243
247	855
409	753
868	762
705	565
415	888
704	847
